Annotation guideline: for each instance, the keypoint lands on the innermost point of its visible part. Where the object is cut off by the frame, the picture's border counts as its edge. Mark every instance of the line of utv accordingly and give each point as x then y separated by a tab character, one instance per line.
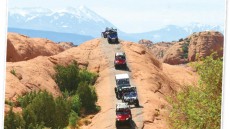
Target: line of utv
123	90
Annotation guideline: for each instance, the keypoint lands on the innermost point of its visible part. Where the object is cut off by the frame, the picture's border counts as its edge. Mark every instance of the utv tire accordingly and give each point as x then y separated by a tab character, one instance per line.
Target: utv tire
117	41
137	104
115	66
117	124
109	41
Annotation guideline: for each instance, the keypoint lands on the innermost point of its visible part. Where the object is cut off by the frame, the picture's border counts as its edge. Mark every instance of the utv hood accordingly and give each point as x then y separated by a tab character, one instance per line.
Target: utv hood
123	117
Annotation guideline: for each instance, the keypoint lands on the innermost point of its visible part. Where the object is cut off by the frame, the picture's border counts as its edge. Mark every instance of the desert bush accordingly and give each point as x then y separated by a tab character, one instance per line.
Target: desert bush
88	96
62	111
78	83
67	77
26	99
185	50
13	120
73	118
200	107
86	76
41	109
181	39
76	103
13	71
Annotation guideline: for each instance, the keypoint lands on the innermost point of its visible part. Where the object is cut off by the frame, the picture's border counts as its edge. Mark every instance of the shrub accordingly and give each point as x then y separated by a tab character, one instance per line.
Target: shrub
88	96
13	120
77	84
43	109
200	107
76	103
40	109
181	39
185	50
67	77
73	119
26	99
88	77
13	72
62	111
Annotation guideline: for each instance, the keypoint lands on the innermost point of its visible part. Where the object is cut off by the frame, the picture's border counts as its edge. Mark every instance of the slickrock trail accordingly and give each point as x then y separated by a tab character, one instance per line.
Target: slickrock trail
107	98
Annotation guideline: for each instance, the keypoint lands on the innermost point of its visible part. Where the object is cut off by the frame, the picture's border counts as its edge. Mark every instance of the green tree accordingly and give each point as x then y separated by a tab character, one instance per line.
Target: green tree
200	107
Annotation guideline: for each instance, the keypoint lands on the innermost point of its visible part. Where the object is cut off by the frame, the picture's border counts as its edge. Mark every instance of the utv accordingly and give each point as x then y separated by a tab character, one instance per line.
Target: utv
107	31
122	80
120	60
123	113
130	96
112	37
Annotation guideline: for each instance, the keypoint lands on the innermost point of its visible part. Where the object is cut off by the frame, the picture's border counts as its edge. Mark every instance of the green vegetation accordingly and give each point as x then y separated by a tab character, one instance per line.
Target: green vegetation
181	39
13	72
185	50
69	77
13	120
42	110
200	107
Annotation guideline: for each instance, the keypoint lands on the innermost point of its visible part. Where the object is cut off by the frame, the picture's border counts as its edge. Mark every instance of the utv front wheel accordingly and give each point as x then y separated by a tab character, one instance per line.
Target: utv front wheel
109	40
117	41
137	104
116	123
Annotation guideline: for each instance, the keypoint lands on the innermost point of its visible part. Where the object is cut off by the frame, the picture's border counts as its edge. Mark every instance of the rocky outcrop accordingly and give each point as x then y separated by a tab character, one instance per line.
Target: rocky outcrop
29	48
202	44
175	54
159	49
12	55
146	42
194	47
66	45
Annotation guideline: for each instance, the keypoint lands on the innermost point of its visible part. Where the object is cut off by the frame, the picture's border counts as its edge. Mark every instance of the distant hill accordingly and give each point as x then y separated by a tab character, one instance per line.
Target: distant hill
76	39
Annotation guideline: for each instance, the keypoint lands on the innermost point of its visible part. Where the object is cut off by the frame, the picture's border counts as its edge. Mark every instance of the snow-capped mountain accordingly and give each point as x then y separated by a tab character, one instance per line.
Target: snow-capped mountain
197	27
84	21
173	33
69	20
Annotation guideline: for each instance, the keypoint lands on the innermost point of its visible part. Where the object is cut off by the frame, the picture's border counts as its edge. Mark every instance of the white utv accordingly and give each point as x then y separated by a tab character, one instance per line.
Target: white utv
122	81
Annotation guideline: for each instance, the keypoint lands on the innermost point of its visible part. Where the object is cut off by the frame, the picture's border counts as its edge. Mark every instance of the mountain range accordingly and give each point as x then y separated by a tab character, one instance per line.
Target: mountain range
85	24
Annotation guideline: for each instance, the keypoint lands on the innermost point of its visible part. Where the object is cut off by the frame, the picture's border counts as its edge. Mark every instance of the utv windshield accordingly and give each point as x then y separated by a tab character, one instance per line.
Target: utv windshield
120	58
131	94
122	112
114	34
123	82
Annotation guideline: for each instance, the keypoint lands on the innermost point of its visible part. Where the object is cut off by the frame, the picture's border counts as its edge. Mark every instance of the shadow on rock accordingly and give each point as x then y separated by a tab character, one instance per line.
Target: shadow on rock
130	125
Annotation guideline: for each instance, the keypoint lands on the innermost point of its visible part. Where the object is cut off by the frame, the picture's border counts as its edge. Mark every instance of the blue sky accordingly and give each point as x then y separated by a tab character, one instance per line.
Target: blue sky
142	15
